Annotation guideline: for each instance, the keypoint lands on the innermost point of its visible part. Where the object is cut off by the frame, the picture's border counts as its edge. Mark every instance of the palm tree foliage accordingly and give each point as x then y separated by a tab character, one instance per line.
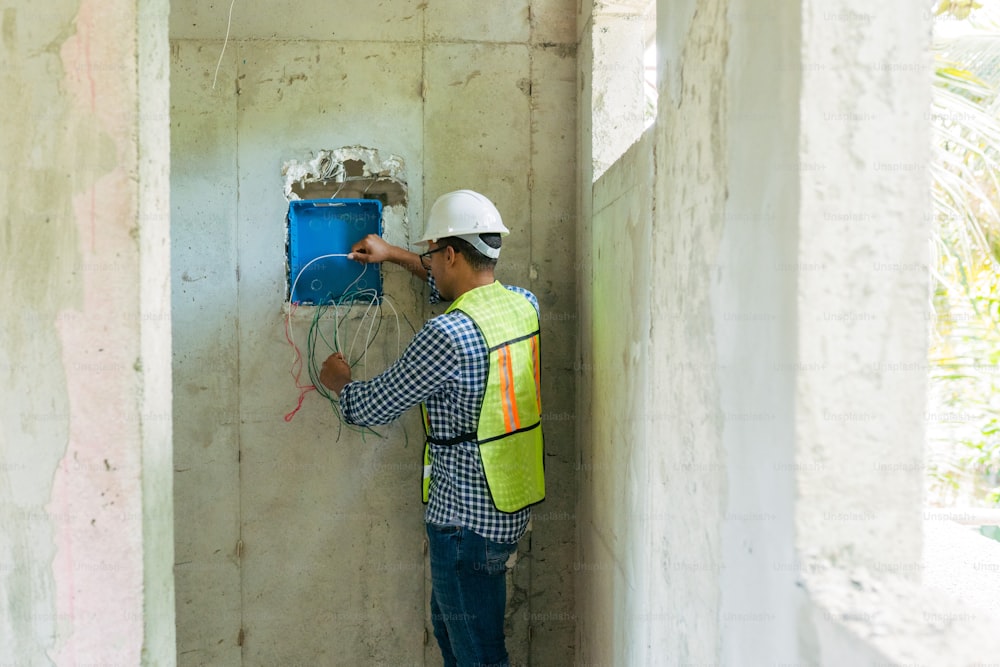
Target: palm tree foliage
964	408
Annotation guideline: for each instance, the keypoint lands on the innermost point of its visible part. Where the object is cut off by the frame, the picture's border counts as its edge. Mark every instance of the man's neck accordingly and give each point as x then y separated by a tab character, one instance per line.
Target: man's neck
476	279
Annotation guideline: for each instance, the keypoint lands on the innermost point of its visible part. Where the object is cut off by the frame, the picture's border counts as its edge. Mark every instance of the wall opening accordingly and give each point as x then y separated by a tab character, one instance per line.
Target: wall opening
624	85
962	456
649	73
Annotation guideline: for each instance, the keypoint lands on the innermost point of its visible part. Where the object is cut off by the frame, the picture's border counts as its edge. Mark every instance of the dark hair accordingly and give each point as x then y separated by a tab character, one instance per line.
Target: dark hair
477	260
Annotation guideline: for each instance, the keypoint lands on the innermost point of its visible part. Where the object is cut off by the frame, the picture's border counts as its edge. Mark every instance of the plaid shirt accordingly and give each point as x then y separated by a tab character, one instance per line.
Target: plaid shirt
444	366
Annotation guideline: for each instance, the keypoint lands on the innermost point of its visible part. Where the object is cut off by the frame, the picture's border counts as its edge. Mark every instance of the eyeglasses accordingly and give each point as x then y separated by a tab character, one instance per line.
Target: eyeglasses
425	258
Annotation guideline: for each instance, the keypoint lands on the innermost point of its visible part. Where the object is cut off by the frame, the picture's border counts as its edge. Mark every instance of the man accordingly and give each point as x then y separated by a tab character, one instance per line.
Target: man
475	372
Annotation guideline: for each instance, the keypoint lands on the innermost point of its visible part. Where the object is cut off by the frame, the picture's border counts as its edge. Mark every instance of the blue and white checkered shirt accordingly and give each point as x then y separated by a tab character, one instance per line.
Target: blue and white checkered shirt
444	366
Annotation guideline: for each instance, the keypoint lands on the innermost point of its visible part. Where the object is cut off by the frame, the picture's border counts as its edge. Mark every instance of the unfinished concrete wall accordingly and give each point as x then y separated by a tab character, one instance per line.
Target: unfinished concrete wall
749	292
611	570
864	166
754	314
652	486
294	547
861	297
686	450
85	432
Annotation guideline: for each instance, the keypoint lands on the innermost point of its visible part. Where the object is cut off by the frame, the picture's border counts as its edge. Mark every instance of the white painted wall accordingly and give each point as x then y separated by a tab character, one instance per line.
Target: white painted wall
86	524
332	563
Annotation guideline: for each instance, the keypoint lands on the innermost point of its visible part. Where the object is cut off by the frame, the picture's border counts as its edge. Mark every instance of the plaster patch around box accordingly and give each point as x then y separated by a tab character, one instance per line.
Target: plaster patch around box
359	172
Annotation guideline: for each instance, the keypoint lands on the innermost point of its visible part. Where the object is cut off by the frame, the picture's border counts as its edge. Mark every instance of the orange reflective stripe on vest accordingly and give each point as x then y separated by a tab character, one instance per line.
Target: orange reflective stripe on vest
508	400
538	372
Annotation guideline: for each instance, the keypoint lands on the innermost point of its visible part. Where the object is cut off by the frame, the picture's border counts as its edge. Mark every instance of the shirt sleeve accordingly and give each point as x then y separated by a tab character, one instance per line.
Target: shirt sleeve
435	296
429	362
532	299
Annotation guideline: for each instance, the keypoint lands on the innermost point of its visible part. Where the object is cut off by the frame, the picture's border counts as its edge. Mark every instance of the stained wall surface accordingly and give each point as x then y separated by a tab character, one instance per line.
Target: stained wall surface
86	527
299	543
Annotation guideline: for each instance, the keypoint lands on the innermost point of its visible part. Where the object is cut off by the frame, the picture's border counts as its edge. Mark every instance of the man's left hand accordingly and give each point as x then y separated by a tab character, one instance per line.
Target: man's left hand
336	372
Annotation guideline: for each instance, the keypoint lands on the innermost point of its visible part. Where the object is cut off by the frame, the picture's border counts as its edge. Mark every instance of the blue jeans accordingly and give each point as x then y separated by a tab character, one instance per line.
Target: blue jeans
468	596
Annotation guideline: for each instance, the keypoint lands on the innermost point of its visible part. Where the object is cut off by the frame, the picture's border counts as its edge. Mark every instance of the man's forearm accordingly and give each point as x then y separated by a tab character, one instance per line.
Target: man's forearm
409	261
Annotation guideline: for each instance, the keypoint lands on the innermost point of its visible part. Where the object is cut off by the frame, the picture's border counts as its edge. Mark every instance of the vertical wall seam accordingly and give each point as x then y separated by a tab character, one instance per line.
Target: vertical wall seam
531	262
424	593
237	48
648	399
583	109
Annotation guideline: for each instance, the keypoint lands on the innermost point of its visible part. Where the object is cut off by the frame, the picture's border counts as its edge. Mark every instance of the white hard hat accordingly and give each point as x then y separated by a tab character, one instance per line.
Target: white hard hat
465	214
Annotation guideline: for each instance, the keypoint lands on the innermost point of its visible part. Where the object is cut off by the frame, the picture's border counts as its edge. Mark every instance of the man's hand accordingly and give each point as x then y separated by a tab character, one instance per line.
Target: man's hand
335	372
372	249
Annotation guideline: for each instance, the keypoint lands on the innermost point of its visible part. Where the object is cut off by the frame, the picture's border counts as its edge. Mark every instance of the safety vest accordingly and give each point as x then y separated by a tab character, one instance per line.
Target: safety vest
509	433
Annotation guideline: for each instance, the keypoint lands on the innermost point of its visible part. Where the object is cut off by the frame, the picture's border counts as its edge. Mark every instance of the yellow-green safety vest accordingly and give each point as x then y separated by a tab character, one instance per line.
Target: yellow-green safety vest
509	433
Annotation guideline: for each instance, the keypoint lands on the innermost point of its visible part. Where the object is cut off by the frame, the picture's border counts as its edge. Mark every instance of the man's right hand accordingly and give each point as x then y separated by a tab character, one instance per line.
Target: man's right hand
372	249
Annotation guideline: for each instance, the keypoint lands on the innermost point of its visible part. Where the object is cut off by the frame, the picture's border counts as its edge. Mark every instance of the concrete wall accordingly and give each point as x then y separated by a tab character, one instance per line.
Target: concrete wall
754	314
86	521
752	284
863	297
330	566
750	353
612	571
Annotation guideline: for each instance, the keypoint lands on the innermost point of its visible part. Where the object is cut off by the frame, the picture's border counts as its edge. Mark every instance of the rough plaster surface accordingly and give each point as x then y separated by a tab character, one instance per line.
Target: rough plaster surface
456	20
328	168
85	428
686	415
538	21
34	419
331	530
962	563
335	20
862	283
860	617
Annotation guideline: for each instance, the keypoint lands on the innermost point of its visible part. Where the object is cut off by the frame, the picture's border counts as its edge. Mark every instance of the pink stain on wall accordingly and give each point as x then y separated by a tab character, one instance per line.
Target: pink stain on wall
89	56
96	502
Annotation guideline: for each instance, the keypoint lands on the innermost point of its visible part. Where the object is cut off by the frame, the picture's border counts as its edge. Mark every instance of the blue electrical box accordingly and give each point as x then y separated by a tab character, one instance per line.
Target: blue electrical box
321	227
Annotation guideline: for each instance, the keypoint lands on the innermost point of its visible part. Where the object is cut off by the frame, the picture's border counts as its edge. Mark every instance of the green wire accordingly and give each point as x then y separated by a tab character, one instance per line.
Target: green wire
313	367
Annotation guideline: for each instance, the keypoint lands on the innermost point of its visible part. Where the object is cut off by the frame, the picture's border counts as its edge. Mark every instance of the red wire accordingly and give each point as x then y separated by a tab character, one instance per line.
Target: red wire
296	369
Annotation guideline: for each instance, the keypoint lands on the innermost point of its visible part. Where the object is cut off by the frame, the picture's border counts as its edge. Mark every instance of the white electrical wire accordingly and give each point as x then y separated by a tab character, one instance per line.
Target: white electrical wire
291	292
228	26
371	327
387	300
